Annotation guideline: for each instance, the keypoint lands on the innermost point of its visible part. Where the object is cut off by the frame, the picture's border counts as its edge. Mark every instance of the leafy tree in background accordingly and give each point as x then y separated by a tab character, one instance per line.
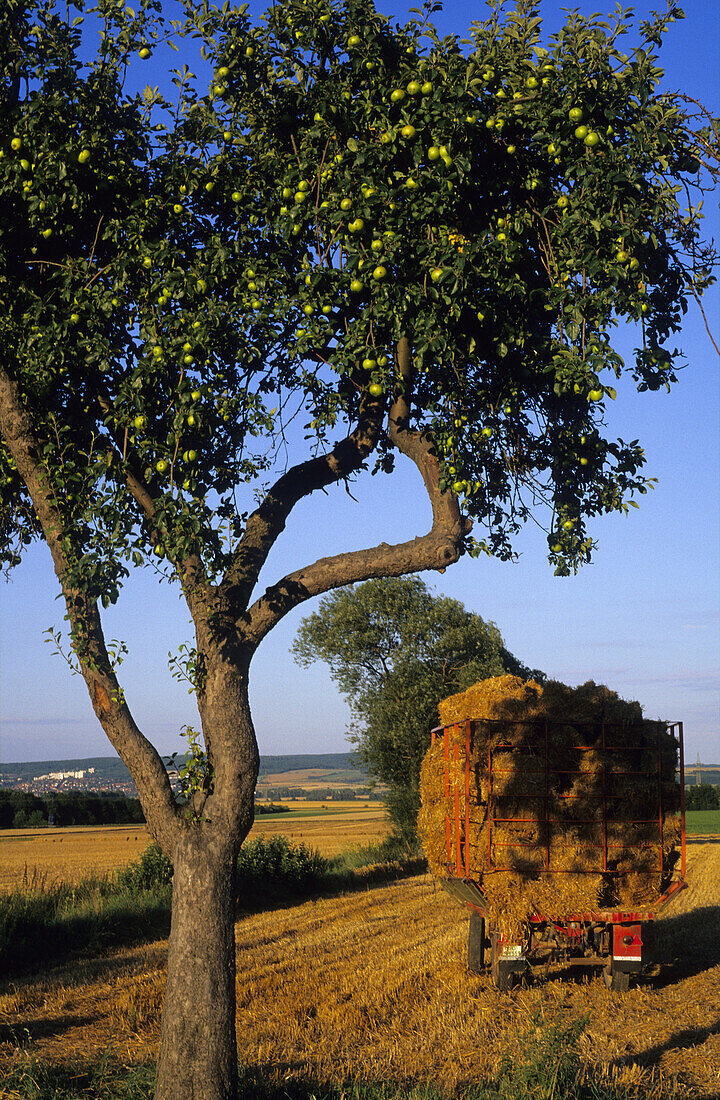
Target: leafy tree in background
406	244
704	796
395	650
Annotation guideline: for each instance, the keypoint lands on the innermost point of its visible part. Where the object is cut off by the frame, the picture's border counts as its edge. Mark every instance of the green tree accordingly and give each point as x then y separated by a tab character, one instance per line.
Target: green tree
407	244
395	650
703	796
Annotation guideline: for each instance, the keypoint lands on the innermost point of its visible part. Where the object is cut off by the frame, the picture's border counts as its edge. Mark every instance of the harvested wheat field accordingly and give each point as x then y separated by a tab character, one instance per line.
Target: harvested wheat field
74	853
373	986
68	854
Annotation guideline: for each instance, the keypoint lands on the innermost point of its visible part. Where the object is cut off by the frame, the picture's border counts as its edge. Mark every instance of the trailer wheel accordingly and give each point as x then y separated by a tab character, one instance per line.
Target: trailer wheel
476	942
616	980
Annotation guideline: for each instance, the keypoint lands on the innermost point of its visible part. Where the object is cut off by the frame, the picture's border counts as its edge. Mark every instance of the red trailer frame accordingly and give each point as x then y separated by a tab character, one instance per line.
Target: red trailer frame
613	937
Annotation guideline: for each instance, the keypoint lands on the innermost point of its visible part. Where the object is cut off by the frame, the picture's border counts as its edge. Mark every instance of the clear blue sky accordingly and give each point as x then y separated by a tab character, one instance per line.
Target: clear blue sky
643	618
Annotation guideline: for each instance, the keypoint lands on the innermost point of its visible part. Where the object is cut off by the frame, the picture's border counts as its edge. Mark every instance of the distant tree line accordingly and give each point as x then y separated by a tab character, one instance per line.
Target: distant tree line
21	810
703	796
325	794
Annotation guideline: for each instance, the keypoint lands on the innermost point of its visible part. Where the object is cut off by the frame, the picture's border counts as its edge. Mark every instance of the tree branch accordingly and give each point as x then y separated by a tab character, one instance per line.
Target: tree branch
440	547
140	756
268	521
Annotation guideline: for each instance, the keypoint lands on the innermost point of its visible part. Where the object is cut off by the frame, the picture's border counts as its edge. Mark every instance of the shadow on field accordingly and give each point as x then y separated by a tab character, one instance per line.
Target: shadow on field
31	942
31	945
685	945
679	1040
261	896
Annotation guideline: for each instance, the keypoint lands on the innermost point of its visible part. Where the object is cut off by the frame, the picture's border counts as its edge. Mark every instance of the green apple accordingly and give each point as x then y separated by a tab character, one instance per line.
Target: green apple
581	132
595	395
433	153
139	423
353	40
84	156
356	286
379	273
144	53
408	132
16	144
413	88
426	88
563	201
375	389
236	196
346	204
397	95
592	139
161	465
436	274
177	208
575	114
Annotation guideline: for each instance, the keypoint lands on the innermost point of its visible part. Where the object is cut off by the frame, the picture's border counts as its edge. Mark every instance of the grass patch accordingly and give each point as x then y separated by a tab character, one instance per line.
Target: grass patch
41	923
551	1070
702	821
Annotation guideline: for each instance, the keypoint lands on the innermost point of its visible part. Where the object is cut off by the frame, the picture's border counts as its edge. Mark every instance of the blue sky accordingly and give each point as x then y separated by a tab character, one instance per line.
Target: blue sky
643	618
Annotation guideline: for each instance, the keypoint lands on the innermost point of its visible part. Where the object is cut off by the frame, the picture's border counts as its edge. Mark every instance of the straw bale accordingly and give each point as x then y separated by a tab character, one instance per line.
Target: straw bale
604	771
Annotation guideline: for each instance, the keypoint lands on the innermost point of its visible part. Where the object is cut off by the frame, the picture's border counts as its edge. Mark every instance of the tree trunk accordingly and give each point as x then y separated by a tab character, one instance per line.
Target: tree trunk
198	1049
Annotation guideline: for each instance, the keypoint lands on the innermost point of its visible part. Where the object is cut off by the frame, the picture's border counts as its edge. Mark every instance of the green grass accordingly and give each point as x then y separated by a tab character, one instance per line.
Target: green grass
702	821
41	924
551	1070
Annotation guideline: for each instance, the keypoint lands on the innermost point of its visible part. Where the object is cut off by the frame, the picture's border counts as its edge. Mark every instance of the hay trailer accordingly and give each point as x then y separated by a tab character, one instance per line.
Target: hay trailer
616	939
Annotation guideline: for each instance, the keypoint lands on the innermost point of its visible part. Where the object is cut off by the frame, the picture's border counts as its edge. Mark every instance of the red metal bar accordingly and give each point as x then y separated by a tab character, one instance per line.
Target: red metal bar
448	840
489	803
458	861
467	799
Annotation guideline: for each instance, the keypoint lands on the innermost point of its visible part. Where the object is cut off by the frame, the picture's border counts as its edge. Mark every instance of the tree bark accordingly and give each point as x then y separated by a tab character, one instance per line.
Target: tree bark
198	1050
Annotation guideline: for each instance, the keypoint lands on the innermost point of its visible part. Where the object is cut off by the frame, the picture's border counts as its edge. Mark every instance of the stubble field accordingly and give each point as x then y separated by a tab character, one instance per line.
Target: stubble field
70	854
372	986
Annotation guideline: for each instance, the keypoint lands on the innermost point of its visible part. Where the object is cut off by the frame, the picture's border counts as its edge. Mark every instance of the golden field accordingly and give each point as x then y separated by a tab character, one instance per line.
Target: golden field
73	853
372	986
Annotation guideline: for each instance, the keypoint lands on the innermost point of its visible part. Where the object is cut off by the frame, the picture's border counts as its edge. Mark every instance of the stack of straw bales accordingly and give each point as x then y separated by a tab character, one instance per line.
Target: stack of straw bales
587	797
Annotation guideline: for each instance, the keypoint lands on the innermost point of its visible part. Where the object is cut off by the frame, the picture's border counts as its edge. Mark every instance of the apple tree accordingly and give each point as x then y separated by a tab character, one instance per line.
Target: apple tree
411	244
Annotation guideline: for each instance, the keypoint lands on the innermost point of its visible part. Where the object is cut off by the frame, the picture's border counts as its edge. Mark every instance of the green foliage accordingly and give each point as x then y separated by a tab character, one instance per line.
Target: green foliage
21	810
276	863
192	270
151	872
193	766
702	796
395	651
41	922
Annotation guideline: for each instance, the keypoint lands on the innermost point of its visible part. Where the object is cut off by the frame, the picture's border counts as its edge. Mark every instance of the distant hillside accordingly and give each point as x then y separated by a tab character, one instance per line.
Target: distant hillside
113	770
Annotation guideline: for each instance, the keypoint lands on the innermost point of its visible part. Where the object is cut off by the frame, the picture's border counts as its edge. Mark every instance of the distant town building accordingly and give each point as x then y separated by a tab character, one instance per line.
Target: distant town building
63	775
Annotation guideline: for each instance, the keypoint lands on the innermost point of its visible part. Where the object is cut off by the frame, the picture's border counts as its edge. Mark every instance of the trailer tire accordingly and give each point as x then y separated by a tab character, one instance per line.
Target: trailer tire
504	972
476	942
616	980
